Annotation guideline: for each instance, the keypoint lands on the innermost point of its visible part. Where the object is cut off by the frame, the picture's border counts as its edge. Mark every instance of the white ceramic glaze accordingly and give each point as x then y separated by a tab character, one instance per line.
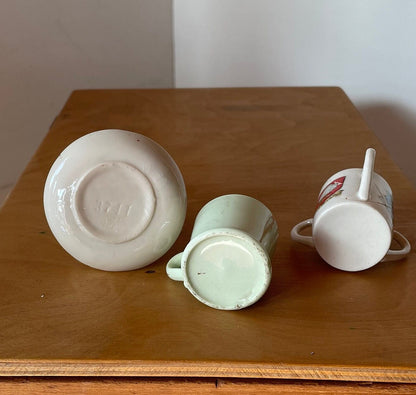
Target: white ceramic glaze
115	200
226	265
352	228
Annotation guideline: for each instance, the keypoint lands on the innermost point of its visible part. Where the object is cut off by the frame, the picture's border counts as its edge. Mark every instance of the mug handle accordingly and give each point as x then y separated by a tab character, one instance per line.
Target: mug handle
394	255
173	267
296	236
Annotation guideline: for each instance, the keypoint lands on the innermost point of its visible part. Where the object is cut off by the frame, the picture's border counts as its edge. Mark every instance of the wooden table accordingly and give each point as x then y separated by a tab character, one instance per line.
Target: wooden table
314	325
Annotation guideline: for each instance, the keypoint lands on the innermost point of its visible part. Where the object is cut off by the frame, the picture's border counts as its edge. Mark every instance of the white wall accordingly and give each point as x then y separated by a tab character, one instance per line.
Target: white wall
50	47
368	47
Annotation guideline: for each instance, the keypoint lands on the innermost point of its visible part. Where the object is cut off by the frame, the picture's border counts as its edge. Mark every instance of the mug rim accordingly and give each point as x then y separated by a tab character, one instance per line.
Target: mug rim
379	252
262	255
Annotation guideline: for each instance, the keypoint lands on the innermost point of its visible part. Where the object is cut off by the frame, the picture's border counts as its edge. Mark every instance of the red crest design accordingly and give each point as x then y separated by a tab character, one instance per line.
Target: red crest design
330	190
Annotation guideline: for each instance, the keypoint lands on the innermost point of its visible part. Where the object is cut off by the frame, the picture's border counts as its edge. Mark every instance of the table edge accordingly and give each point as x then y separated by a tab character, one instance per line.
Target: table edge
97	368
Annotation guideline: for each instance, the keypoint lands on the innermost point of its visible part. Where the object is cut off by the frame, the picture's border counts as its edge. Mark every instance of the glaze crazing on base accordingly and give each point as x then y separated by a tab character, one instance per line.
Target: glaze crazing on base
115	200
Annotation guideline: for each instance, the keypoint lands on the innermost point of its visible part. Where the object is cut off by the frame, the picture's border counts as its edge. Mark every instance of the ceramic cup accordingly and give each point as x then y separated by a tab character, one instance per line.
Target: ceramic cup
115	200
226	265
352	228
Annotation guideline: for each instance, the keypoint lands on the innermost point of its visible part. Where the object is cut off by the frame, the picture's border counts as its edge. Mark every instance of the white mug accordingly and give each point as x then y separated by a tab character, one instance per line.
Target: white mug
227	263
352	228
115	200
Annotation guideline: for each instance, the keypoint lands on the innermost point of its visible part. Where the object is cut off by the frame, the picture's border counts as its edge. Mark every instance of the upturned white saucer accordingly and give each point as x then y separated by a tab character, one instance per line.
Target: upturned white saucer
115	200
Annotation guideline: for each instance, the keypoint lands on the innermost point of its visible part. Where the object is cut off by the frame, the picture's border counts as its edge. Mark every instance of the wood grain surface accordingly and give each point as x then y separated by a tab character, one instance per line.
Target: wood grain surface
60	317
144	386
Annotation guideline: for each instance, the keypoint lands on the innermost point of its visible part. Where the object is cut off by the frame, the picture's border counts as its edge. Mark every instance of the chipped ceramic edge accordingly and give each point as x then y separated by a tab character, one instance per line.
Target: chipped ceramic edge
233	233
